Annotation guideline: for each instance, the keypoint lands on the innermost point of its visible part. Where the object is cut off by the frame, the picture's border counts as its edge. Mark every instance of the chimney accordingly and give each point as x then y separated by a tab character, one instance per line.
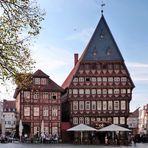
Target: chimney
75	58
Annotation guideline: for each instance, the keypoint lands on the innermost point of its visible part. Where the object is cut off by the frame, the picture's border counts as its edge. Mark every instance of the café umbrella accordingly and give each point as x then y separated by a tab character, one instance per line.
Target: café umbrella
20	129
81	128
114	128
42	127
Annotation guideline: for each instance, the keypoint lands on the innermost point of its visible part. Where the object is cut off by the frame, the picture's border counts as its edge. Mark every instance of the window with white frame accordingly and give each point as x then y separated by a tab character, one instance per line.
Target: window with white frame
81	91
70	91
87	120
110	91
103	119
104	91
54	111
37	81
104	105
99	91
93	105
117	79
116	91
115	120
75	120
116	105
123	79
93	91
87	91
81	79
93	79
81	120
43	81
122	120
26	111
109	119
99	105
45	95
98	119
75	91
104	79
128	91
35	130
75	105
110	79
75	79
92	119
99	79
45	111
81	105
36	95
123	105
110	105
36	111
123	91
87	105
27	94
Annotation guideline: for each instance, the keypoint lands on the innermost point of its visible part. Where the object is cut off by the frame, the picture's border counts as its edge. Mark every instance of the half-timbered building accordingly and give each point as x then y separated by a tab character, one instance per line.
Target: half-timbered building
39	104
99	87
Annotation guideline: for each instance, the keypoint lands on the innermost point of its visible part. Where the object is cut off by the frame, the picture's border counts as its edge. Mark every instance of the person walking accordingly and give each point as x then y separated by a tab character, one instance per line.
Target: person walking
134	140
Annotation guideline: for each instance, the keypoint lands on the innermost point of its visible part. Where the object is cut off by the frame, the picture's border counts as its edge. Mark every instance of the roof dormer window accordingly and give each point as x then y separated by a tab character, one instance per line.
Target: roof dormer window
102	34
43	81
37	81
109	51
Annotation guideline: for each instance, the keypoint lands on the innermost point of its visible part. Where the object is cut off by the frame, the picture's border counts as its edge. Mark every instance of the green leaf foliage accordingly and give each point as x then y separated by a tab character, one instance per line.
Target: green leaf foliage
19	23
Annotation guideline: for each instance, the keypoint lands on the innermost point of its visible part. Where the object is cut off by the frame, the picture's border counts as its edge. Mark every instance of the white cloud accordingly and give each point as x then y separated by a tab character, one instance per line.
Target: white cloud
138	71
54	61
137	65
50	56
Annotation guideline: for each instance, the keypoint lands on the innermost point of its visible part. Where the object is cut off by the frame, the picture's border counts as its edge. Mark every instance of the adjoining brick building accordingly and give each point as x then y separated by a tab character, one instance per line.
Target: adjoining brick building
9	116
143	120
39	102
99	87
133	122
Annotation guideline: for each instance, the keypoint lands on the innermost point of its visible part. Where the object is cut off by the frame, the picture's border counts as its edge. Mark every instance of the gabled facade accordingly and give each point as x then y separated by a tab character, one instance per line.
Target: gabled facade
143	120
40	103
9	115
99	87
132	121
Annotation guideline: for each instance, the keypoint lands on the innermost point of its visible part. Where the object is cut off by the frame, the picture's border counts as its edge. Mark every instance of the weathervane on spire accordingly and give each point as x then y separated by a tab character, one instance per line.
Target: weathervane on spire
102	5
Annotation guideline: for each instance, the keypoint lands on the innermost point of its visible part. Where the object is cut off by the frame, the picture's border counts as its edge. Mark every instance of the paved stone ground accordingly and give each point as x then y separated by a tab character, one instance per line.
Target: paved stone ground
19	145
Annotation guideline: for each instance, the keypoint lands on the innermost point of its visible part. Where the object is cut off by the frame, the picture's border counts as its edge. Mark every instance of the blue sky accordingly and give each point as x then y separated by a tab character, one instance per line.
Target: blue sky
68	26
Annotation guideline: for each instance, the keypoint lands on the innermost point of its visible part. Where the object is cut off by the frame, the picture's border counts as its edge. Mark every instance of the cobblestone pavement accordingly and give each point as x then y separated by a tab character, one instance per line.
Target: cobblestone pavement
20	145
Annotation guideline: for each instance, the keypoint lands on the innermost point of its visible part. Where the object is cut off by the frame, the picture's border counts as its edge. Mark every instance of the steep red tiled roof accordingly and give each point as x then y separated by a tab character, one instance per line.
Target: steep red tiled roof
70	76
73	71
40	73
9	104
